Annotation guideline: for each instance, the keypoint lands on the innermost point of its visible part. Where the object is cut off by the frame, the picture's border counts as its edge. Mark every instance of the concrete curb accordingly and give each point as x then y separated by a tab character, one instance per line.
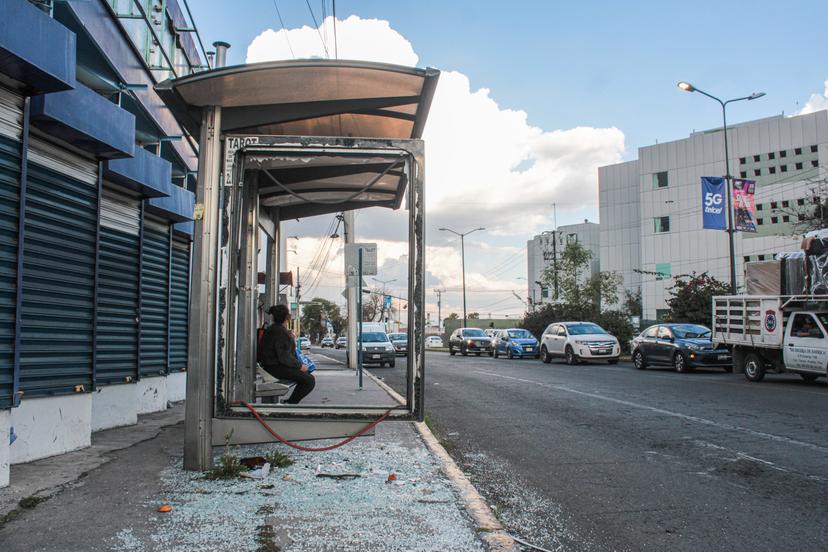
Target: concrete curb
490	529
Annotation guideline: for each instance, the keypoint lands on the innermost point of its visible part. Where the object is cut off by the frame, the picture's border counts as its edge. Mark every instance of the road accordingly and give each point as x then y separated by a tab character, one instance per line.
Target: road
598	457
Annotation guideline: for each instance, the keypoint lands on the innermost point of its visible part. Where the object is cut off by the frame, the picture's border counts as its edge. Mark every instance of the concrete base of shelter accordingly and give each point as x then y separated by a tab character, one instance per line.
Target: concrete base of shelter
152	394
5	453
114	406
176	386
47	426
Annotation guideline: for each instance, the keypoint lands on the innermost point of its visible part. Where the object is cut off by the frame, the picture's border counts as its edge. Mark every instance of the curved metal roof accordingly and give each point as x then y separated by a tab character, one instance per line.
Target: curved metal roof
308	98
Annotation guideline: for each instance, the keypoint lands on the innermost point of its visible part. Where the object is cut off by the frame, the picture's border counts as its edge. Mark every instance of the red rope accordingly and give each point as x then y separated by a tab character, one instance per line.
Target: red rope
362	431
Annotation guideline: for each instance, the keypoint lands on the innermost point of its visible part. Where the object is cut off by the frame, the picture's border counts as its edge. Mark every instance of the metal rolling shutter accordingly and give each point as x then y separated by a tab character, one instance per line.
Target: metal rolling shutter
61	225
179	303
118	264
155	266
11	120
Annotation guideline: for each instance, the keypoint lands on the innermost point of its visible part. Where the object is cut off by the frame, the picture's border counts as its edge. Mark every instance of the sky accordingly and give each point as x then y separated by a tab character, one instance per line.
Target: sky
533	98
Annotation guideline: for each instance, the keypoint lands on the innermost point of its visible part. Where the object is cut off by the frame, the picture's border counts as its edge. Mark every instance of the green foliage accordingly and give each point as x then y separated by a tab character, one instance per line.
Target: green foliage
618	324
577	291
278	459
229	466
691	298
315	314
632	302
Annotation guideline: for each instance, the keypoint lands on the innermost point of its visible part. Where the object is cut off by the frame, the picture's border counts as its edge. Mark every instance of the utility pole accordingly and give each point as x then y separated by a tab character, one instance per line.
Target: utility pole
298	307
439	293
349	233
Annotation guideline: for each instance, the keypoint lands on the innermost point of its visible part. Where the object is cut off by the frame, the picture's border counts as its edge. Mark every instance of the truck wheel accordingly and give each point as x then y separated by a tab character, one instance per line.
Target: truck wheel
754	367
639	360
547	358
680	363
809	377
571	358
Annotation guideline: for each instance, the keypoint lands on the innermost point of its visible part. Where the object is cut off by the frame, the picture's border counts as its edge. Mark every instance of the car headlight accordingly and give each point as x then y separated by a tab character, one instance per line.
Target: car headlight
693	347
581	342
469	342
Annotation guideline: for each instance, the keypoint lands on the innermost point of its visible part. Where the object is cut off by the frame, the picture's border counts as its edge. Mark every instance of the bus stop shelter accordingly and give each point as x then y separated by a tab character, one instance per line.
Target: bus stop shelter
281	141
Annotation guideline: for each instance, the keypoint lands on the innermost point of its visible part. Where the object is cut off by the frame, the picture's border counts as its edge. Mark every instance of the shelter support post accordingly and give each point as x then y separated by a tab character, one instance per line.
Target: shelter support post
352	291
416	284
244	374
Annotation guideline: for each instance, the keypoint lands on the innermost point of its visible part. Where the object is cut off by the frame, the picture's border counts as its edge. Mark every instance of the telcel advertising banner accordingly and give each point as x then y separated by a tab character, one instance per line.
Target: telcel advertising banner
744	206
714	214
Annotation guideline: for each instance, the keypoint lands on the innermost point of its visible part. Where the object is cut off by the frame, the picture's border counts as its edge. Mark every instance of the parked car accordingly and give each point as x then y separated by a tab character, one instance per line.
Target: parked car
469	340
490	332
577	341
326	342
515	342
434	342
304	343
400	342
682	346
341	342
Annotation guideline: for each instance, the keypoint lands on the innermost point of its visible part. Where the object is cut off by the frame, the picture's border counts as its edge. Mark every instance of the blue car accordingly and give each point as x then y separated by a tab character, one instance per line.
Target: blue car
515	343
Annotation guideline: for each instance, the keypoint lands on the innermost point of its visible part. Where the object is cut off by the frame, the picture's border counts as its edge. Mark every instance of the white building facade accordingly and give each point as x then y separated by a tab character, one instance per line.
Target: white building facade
651	208
544	249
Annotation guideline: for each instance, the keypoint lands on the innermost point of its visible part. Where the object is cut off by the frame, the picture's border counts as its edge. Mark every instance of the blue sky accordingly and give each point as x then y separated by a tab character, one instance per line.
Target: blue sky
590	63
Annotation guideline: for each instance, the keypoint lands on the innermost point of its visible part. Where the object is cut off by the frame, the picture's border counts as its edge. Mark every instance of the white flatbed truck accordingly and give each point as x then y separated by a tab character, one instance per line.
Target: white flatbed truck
774	334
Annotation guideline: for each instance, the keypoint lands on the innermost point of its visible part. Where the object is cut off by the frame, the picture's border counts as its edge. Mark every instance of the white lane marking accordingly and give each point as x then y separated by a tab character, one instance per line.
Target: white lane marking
688	417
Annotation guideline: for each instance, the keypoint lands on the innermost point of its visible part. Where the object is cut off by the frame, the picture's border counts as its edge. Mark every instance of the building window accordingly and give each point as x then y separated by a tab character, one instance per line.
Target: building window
761	257
747	258
774	220
758	206
743	174
786	203
814	149
797	151
757	172
662	224
760	221
814	163
800	201
756	158
771	155
772	170
663	271
783	168
774	205
743	160
783	153
798	166
786	218
801	216
660	179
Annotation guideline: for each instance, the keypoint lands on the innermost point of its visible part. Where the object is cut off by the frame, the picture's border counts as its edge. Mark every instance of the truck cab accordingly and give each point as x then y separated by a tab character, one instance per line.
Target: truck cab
774	334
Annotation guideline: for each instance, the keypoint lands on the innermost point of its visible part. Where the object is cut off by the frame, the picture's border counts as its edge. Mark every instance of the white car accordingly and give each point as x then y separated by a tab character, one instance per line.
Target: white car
433	342
577	341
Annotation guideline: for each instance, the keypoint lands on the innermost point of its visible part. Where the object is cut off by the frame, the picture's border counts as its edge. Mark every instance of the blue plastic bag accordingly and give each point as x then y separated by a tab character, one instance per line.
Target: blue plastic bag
305	360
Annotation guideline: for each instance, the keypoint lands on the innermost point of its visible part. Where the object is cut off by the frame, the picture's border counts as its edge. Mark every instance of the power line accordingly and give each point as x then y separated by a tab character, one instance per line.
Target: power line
282	22
313	16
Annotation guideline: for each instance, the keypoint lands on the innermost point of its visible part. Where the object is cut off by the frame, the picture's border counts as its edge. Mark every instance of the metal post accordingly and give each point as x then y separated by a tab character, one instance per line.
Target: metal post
359	323
198	452
463	263
21	241
244	373
729	187
354	293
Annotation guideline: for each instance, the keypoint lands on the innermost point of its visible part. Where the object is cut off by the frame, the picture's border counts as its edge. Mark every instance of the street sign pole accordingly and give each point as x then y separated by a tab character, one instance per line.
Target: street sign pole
359	319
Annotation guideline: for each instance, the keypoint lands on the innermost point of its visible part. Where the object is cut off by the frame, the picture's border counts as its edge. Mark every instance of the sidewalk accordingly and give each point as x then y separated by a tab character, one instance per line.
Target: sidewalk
107	498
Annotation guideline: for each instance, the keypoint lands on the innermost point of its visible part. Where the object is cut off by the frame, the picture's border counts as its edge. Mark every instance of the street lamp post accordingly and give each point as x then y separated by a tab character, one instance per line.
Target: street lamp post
384	284
687	87
462	261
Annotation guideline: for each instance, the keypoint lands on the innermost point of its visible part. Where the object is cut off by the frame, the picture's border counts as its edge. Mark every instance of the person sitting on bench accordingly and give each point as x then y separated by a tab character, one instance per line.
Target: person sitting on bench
278	355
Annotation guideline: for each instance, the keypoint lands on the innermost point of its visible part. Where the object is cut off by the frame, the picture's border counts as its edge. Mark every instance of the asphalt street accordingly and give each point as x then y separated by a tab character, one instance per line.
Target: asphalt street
599	457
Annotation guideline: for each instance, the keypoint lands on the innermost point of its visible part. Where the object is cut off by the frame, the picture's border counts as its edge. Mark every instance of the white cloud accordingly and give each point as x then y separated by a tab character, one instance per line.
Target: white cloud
485	164
816	102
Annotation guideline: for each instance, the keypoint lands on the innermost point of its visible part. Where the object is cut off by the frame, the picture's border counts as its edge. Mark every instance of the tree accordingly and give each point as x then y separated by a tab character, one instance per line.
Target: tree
577	290
813	213
691	298
316	313
632	302
372	305
474	316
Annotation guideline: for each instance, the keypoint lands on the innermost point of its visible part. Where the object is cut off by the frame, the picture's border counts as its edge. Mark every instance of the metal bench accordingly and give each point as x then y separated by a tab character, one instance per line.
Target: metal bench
272	388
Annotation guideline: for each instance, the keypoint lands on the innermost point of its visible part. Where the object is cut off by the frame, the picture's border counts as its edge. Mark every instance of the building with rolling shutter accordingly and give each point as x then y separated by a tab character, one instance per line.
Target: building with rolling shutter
96	206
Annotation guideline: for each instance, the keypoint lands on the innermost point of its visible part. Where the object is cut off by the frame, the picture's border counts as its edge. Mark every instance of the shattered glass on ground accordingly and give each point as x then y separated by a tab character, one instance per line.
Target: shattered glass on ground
294	509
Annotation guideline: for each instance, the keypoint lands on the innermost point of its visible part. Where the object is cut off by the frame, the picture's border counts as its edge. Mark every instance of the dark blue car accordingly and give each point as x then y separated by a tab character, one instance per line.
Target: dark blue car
515	343
682	346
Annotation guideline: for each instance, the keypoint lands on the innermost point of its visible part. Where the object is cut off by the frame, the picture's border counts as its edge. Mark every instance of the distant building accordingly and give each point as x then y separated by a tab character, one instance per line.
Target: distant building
544	249
650	208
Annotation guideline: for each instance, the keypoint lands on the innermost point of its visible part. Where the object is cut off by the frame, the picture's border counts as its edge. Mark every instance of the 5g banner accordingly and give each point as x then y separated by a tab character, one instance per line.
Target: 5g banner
744	207
714	214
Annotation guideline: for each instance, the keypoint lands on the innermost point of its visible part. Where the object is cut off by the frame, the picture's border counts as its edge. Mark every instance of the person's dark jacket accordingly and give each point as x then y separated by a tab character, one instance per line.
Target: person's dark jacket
278	348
